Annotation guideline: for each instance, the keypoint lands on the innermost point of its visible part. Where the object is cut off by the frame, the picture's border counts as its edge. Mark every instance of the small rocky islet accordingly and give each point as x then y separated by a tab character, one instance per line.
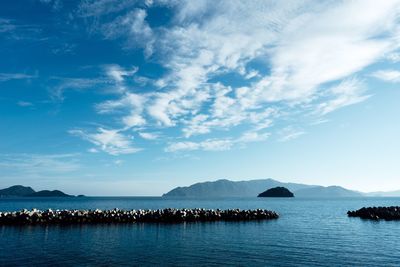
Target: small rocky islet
377	213
35	216
276	192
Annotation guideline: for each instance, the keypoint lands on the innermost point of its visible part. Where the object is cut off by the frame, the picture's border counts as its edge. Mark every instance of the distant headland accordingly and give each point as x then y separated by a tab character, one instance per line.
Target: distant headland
27	191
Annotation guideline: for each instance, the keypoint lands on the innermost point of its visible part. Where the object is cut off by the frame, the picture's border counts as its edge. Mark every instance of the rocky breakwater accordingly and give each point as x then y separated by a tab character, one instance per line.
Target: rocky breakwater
131	216
376	213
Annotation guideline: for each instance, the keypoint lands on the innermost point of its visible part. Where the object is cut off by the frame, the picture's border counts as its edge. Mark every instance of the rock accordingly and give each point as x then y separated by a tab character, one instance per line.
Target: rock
376	213
276	192
132	216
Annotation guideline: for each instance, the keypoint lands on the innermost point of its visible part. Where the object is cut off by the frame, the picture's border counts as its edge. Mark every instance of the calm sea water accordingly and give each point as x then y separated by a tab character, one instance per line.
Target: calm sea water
310	232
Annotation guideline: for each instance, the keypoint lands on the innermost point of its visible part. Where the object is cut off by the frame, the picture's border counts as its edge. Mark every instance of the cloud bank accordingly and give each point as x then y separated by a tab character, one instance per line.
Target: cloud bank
237	69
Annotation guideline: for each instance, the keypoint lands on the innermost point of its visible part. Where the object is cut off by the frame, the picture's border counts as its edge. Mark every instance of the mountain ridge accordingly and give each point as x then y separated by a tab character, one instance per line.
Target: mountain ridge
16	190
251	188
27	191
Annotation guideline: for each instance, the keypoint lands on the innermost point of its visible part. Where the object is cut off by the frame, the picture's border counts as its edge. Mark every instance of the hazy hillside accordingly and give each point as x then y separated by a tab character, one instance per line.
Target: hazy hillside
251	188
227	188
325	192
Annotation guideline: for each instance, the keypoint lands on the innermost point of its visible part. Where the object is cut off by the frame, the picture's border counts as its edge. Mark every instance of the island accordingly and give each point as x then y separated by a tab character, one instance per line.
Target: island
26	191
16	191
276	192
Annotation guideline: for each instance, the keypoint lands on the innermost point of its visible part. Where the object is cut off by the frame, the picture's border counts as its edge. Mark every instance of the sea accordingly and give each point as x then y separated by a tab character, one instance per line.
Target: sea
309	232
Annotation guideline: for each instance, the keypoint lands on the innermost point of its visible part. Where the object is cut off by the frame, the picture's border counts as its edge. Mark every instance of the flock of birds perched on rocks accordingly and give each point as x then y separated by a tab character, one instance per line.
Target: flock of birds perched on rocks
35	216
377	213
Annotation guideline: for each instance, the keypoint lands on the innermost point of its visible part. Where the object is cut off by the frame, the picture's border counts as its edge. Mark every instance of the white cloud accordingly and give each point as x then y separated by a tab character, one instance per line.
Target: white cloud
6	25
118	74
348	92
24	104
130	101
133	120
318	48
253	136
307	48
207	145
63	84
394	57
93	150
118	162
387	75
132	26
290	133
214	144
97	8
39	164
112	142
149	136
133	103
15	76
310	52
16	31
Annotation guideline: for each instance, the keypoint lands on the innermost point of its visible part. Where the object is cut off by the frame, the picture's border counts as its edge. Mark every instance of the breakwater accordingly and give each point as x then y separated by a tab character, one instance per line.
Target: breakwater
376	213
131	216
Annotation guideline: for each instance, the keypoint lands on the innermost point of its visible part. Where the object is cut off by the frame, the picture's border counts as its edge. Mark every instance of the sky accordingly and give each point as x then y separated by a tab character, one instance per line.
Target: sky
131	97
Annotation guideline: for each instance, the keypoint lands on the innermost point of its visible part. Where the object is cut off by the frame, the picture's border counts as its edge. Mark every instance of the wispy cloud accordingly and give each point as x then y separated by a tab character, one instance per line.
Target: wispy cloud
15	76
112	141
387	75
348	92
207	145
54	4
24	104
214	144
118	74
290	133
130	26
63	84
16	31
97	8
149	136
6	25
312	61
394	57
39	164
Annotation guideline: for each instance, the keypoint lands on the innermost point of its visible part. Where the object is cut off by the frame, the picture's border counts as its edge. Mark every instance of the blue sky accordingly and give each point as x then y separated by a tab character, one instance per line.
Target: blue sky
136	97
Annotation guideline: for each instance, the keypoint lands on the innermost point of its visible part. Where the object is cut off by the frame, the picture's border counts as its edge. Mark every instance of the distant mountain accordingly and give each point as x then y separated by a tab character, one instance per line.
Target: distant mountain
227	188
327	192
251	188
276	192
26	191
16	191
48	193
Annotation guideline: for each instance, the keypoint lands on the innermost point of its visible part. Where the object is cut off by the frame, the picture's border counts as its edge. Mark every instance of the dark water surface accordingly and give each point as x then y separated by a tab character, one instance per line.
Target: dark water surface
310	232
